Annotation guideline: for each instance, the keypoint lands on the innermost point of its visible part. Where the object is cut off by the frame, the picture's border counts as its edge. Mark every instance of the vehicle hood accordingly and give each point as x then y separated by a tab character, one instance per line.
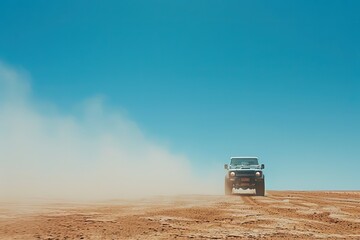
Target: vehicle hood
245	167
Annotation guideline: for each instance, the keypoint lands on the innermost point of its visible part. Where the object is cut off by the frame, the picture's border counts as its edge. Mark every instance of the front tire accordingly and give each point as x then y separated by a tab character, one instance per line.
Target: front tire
228	188
260	188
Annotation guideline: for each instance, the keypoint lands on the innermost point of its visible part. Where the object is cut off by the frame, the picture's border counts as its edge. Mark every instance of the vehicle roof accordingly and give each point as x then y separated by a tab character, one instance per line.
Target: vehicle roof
244	157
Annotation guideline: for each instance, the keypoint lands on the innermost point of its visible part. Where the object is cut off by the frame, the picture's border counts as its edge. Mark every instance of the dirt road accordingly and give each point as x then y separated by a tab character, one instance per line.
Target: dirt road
279	215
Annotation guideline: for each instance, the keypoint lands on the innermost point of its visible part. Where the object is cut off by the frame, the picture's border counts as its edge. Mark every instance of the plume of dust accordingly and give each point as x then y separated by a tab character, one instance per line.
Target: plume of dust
91	155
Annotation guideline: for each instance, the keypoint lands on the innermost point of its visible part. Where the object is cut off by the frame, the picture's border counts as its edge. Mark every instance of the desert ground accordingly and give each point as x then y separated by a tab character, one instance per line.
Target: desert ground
278	215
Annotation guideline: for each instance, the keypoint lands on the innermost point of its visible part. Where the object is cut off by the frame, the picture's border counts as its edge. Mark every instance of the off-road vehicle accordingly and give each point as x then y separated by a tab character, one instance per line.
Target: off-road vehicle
244	173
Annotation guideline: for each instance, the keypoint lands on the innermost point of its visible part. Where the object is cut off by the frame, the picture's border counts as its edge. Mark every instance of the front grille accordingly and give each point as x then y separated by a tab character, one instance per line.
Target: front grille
245	173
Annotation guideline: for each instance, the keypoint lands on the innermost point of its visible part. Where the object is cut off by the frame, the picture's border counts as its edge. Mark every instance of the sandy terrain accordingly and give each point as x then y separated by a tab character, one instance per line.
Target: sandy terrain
279	215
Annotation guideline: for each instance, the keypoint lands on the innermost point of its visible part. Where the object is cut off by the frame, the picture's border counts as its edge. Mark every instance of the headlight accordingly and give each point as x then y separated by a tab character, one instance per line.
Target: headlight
258	174
232	174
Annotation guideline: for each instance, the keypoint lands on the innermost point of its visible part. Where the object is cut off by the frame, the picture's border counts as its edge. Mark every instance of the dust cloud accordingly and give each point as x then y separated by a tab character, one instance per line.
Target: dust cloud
95	153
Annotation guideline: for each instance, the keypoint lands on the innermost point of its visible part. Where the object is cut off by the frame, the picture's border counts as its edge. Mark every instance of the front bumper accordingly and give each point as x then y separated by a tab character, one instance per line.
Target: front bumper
244	181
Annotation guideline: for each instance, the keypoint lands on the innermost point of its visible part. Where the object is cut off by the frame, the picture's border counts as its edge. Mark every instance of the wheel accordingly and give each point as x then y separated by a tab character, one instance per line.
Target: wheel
260	188
228	188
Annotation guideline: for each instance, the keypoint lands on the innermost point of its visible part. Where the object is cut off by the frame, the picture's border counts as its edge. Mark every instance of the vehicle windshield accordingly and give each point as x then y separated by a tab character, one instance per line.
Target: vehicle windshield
244	161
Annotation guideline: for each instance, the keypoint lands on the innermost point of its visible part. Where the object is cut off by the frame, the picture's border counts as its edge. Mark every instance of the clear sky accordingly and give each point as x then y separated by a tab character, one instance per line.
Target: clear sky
208	79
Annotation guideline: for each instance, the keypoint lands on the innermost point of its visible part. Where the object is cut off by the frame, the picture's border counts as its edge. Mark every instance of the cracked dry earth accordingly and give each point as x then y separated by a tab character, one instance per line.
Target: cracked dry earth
278	215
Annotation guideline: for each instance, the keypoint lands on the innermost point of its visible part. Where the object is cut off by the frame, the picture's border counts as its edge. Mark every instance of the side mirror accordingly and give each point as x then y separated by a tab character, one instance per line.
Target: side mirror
226	166
262	166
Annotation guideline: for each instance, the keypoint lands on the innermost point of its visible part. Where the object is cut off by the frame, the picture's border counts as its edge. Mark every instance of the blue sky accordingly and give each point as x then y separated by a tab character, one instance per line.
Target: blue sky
208	79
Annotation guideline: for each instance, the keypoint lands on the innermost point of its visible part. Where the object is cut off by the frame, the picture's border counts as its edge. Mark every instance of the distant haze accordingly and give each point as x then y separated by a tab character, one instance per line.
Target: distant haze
96	153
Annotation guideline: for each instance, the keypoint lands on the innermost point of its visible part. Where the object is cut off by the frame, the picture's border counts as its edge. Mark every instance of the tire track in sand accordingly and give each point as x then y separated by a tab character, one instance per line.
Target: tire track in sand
315	222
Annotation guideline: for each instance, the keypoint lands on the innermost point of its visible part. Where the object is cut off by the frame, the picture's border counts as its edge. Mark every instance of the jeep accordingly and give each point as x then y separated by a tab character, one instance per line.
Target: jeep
244	173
